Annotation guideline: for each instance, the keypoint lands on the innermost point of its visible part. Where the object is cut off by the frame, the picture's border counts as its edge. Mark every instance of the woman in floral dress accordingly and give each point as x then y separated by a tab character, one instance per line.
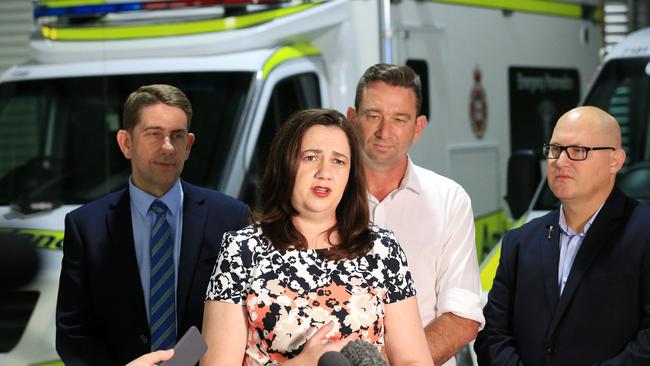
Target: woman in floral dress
312	274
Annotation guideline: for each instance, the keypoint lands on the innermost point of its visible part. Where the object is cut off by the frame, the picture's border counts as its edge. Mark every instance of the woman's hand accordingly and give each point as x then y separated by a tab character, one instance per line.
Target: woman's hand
317	345
153	358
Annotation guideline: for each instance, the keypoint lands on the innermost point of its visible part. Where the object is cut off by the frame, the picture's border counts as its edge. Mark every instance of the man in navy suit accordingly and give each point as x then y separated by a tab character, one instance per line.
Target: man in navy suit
573	287
106	306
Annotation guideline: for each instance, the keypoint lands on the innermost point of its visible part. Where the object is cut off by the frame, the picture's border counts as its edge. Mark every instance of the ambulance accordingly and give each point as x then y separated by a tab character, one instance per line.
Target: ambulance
622	88
495	75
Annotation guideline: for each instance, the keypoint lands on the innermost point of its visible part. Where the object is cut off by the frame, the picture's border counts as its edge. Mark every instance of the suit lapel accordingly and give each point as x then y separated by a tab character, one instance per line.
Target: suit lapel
550	248
603	233
127	277
194	217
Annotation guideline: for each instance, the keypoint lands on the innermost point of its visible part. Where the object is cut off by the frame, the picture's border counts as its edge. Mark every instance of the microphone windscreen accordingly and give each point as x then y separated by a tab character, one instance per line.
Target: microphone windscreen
19	261
362	353
333	358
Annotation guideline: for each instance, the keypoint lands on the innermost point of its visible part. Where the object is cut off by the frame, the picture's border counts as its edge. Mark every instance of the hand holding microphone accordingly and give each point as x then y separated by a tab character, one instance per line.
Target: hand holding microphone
319	345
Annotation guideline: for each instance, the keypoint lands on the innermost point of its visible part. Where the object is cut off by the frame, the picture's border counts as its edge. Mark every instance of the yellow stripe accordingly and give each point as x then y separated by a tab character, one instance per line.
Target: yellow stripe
489	268
491	262
489	229
529	6
173	29
287	53
598	14
46	239
66	3
49	363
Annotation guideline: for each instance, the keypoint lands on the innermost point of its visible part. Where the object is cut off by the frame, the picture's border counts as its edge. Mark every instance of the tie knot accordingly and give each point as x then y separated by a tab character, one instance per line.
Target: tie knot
158	207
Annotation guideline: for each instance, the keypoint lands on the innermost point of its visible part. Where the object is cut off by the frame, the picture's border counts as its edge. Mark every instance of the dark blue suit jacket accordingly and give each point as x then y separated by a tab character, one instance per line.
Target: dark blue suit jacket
603	315
100	316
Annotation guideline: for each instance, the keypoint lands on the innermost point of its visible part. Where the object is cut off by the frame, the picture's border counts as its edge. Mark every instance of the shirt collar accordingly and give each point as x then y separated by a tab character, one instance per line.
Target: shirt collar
568	231
411	180
143	200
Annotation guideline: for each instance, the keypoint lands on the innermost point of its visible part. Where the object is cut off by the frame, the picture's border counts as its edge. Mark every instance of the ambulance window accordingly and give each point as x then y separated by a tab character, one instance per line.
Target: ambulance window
58	136
422	69
623	89
289	95
20	131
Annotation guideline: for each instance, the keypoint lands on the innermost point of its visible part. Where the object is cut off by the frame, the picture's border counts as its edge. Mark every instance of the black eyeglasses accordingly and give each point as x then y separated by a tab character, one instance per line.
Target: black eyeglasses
576	153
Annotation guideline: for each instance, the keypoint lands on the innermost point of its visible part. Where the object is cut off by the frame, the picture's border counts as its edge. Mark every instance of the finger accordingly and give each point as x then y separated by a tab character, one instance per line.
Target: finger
152	358
383	353
322	332
162	355
344	342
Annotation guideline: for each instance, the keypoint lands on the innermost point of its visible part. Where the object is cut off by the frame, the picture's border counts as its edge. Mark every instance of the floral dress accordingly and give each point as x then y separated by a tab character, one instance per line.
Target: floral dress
289	294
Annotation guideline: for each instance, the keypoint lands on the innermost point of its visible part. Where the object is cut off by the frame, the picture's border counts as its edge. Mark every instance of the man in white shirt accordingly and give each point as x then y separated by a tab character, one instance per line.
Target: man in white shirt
431	215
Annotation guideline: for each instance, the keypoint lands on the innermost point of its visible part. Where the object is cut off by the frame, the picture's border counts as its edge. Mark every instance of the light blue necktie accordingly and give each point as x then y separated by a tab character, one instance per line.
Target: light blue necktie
162	294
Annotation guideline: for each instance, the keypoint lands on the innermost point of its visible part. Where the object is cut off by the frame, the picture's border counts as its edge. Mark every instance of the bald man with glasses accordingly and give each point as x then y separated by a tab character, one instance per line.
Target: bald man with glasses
573	286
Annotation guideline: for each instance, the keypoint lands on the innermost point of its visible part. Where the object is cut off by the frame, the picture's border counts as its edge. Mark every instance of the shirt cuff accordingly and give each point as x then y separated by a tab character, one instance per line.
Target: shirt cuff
463	303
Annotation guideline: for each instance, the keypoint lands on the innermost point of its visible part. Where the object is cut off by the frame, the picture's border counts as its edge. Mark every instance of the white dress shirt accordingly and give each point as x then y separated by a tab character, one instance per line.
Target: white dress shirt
432	219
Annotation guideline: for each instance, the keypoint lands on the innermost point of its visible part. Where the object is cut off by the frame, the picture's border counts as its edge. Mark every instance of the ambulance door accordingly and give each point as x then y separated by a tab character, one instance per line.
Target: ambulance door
292	86
464	137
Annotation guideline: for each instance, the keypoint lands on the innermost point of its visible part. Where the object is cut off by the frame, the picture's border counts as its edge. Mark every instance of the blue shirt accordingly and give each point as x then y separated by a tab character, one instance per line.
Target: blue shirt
570	243
142	219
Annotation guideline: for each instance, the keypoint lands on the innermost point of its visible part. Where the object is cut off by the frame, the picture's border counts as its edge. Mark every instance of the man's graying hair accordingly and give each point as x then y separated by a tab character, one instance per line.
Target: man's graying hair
149	95
394	75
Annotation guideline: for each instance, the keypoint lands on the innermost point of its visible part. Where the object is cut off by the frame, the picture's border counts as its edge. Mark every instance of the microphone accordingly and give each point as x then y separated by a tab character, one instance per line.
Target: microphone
333	358
550	230
362	353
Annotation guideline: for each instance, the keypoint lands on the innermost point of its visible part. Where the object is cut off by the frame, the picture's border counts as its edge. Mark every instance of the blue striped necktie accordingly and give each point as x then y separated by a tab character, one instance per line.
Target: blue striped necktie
162	294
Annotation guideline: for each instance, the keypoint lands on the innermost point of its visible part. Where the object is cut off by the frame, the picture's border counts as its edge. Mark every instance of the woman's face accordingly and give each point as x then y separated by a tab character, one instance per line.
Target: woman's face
323	171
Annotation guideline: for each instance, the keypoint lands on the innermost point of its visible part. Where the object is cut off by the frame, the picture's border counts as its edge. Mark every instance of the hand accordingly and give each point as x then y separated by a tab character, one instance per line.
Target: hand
319	344
153	358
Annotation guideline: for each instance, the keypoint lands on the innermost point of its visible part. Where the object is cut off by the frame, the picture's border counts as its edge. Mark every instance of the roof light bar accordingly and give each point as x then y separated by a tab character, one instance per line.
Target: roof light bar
103	9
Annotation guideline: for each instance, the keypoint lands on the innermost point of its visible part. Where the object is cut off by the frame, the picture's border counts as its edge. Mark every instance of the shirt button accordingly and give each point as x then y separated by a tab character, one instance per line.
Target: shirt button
143	339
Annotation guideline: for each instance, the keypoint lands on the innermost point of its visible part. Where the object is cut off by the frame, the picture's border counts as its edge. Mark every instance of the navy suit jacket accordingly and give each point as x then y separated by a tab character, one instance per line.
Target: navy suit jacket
100	315
603	315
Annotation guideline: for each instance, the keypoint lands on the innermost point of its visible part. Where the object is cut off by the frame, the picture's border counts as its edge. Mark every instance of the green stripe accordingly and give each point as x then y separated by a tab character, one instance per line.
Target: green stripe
546	7
489	229
287	53
166	30
48	363
46	239
491	262
66	3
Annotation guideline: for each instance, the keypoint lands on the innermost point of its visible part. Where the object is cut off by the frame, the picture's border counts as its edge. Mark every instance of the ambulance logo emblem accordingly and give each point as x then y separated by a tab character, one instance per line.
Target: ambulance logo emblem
478	110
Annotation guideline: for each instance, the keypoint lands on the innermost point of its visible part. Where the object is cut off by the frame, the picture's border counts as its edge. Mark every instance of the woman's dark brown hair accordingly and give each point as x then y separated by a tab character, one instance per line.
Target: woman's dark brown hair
352	215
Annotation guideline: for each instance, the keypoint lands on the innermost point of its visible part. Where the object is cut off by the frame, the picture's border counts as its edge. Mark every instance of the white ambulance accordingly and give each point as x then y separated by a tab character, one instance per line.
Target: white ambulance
495	74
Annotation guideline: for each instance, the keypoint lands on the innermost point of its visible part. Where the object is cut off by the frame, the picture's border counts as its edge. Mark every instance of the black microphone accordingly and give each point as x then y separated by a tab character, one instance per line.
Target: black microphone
333	358
19	262
362	353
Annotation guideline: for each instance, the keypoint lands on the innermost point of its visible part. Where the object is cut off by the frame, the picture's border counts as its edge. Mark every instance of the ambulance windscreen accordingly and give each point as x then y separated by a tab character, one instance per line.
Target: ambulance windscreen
58	136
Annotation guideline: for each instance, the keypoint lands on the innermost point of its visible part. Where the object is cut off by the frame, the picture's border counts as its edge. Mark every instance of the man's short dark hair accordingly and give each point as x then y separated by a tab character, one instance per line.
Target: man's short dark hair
394	75
149	95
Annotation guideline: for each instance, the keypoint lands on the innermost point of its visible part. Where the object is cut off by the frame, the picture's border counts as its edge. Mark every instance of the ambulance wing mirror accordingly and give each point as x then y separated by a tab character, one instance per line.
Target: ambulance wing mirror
19	262
524	174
